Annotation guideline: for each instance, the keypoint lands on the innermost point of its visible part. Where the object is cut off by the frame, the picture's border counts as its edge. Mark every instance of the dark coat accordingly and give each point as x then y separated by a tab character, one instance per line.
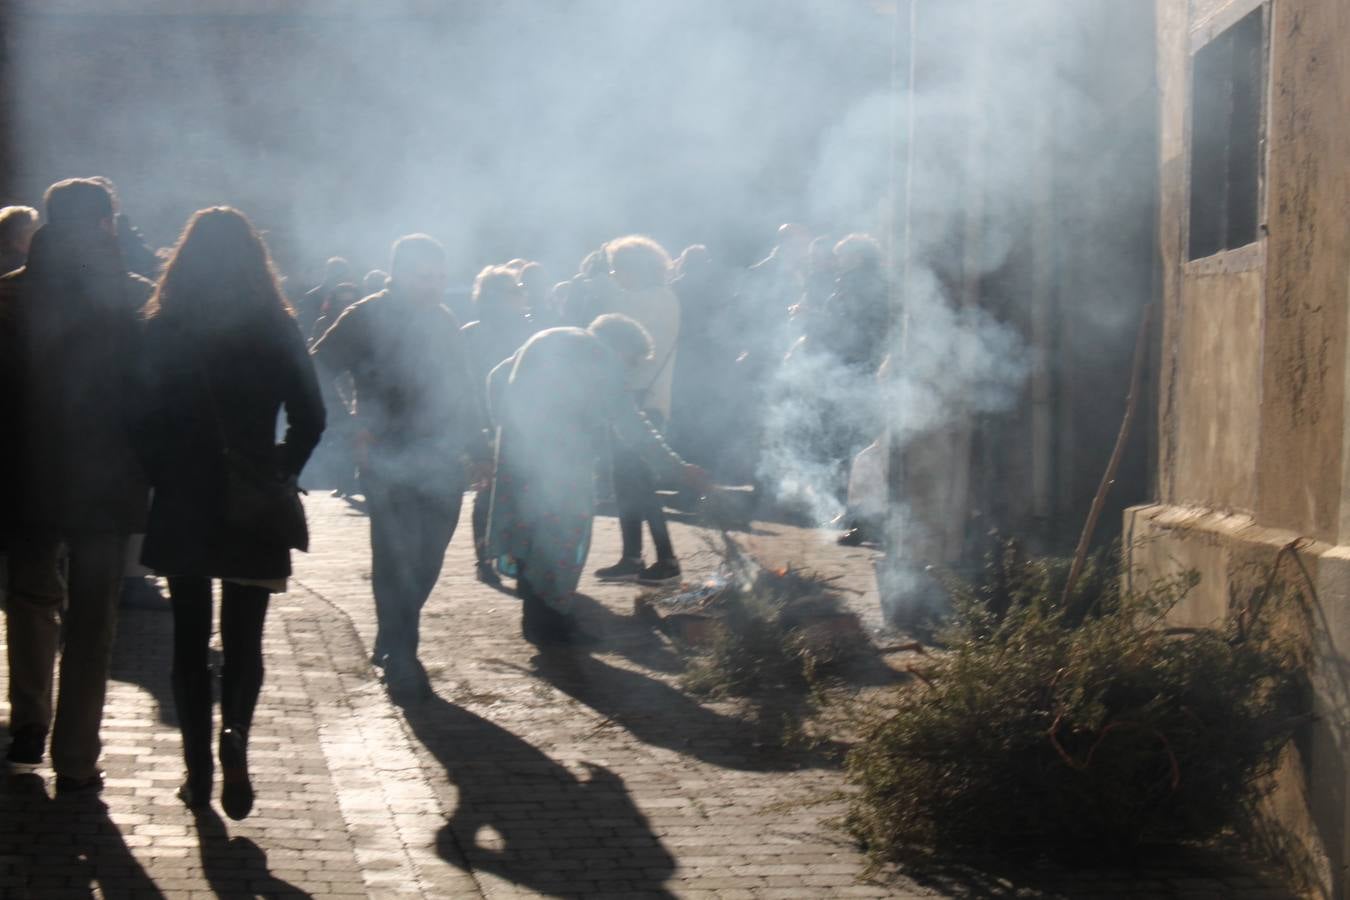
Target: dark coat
71	344
414	389
235	382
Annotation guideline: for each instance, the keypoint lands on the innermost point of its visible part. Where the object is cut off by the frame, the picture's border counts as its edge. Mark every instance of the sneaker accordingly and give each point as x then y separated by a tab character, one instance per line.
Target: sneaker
25	753
854	537
70	786
626	569
663	571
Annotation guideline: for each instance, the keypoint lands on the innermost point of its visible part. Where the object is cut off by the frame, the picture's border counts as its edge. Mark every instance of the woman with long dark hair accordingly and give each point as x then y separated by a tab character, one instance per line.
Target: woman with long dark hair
225	356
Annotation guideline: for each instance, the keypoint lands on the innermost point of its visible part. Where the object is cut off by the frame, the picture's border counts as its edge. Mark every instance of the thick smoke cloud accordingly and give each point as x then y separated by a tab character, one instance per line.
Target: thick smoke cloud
505	129
541	128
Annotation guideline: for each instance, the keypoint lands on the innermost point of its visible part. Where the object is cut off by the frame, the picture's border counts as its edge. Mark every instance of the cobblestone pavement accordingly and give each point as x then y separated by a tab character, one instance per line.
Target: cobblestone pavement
566	774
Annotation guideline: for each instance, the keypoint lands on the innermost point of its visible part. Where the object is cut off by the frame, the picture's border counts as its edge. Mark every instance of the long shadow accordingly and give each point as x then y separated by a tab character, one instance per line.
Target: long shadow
658	714
133	663
237	867
628	636
526	818
59	847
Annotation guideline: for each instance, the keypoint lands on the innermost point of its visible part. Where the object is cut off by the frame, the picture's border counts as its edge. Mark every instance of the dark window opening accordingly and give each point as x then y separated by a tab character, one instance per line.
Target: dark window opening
1227	90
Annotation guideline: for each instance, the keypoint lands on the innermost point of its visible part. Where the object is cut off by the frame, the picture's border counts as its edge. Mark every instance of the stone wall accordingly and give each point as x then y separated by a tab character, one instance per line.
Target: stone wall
1252	386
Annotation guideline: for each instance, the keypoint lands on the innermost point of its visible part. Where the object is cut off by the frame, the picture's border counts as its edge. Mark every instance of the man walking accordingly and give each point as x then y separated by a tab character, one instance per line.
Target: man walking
70	336
419	427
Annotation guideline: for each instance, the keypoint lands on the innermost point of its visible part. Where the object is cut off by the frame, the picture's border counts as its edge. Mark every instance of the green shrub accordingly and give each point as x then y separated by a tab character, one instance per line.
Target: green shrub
1069	726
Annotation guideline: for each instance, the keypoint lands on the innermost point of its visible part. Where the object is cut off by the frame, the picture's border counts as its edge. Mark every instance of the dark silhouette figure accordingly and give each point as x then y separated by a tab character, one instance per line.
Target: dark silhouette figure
70	348
420	429
706	396
502	326
224	357
556	401
641	270
136	253
310	307
17	224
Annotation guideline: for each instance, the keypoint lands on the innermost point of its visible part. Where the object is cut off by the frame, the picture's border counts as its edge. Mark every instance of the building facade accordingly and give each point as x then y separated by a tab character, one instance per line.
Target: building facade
1253	421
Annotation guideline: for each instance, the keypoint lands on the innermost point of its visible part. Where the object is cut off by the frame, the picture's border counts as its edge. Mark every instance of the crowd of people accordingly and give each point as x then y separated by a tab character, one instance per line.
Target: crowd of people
145	390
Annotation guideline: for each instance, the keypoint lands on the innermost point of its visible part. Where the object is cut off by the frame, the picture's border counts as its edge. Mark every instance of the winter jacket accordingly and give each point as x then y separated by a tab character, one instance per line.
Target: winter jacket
71	338
208	390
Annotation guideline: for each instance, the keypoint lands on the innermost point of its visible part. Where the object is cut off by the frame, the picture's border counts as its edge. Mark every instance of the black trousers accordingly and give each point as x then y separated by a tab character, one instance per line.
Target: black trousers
243	610
410	529
635	497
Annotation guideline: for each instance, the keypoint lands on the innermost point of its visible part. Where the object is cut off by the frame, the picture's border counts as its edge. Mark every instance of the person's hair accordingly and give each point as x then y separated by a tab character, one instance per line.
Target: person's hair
693	258
338	268
622	335
641	260
77	201
493	285
593	264
112	191
413	249
15	220
863	248
374	281
219	270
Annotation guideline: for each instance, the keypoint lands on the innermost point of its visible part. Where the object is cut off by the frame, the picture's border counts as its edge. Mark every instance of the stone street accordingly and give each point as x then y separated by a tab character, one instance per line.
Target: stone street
578	773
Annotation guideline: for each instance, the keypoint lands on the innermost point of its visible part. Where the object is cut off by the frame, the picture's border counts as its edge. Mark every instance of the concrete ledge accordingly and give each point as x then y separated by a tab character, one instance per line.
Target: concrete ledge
1309	807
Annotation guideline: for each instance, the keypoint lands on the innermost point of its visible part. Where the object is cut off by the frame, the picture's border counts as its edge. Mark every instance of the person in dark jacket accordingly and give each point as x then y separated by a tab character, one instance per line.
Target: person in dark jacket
420	430
310	307
502	326
224	356
70	348
556	402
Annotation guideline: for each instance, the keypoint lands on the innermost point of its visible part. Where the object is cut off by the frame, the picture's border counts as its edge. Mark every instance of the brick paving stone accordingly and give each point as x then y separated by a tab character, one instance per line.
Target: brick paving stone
560	774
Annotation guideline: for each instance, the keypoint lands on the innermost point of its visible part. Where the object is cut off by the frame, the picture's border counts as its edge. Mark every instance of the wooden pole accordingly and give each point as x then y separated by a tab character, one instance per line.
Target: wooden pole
1109	477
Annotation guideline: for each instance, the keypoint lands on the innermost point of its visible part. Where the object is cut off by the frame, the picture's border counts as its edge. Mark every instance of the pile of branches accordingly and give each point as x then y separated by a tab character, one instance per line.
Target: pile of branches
771	630
1068	721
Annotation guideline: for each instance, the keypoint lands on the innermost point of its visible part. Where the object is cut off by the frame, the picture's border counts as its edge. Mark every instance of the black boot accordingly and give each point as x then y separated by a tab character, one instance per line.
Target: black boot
236	793
192	701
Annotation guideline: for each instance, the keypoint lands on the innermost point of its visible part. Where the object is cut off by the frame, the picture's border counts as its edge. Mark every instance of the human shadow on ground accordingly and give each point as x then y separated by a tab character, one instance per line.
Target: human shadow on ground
658	714
63	846
137	630
628	636
237	867
524	817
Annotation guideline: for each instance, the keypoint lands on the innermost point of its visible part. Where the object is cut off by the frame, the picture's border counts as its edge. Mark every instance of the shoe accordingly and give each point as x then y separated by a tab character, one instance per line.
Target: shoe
25	752
236	792
488	575
70	786
406	681
626	569
854	537
194	797
663	571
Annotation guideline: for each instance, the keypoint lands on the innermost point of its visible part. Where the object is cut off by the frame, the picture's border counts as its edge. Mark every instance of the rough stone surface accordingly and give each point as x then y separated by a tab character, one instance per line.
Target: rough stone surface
567	774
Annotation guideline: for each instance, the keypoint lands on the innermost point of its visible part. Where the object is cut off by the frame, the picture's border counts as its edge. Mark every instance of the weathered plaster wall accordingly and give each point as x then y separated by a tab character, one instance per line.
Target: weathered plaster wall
1218	403
1253	427
1308	210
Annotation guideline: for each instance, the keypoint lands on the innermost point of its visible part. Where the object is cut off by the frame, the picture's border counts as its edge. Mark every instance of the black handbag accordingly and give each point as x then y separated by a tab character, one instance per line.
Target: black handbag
257	498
